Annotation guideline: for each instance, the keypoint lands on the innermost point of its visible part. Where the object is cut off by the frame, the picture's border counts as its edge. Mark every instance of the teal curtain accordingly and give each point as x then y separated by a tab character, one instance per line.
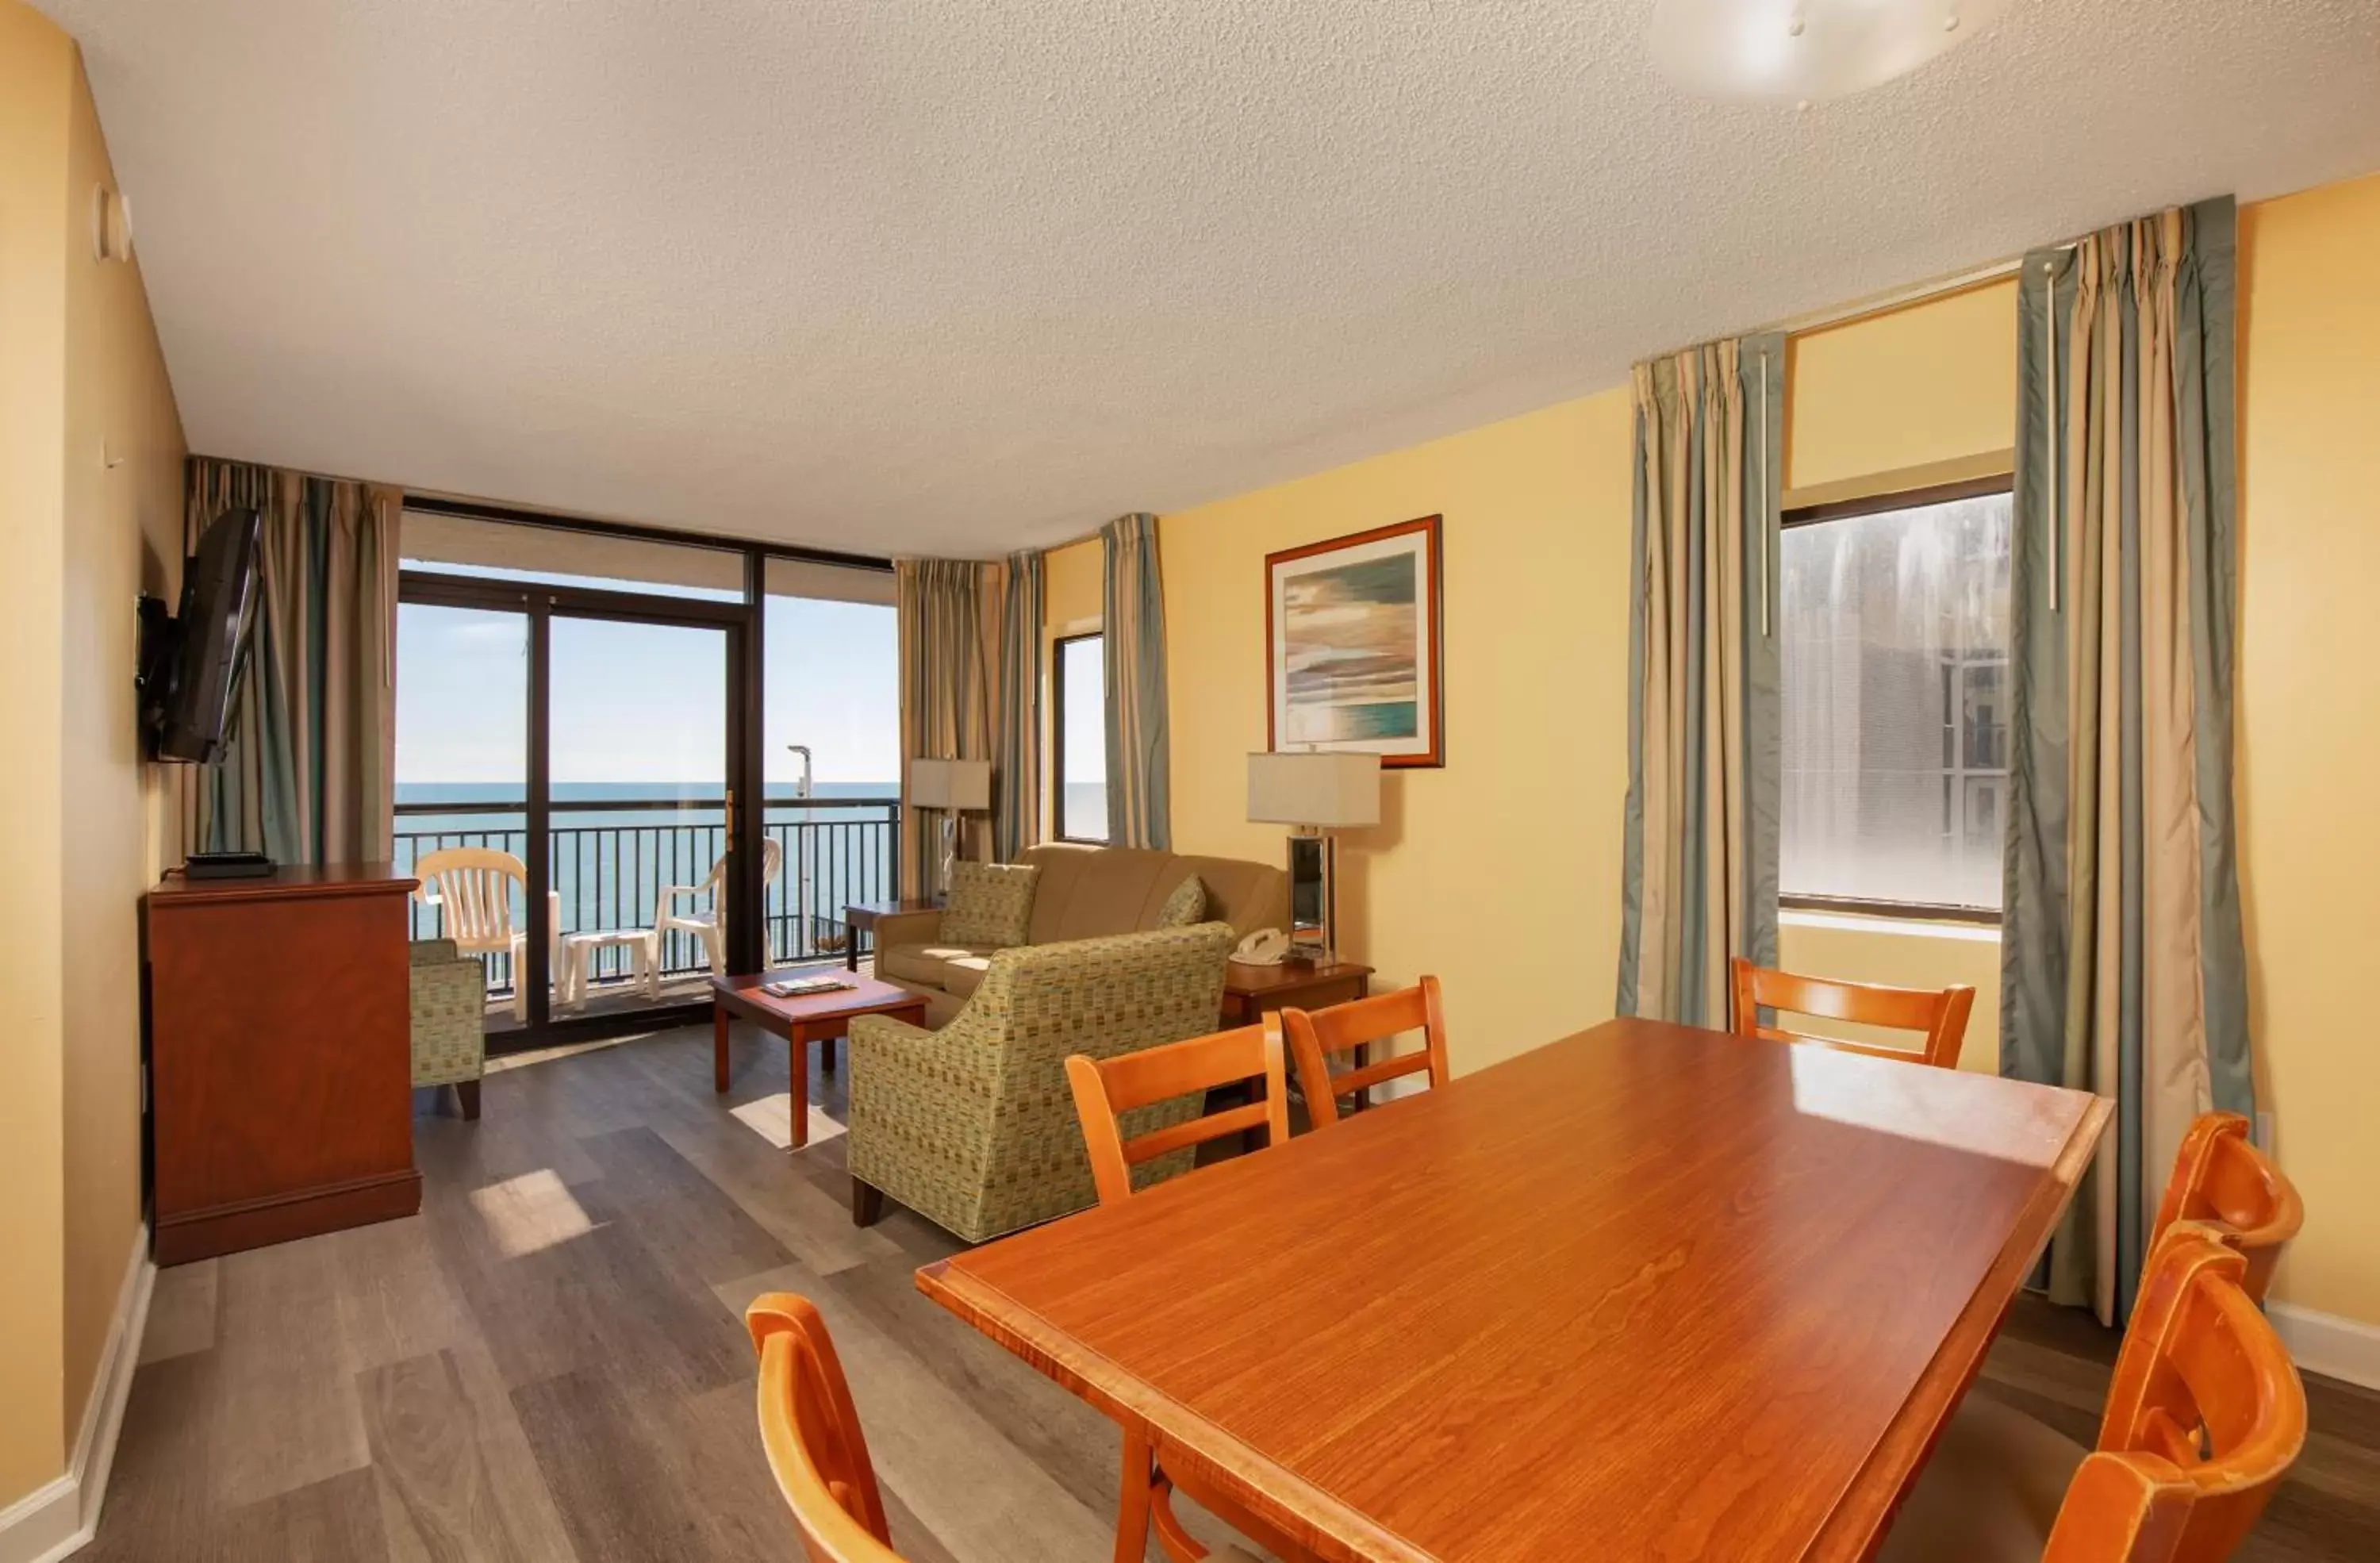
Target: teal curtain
309	771
1016	765
1700	835
1139	810
2123	967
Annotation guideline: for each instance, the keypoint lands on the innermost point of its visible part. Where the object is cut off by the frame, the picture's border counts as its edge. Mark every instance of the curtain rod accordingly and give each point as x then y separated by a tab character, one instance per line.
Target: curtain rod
437	501
1901	297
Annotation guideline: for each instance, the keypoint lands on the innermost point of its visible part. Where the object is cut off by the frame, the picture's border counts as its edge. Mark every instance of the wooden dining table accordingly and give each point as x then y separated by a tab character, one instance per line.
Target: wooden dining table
1645	1292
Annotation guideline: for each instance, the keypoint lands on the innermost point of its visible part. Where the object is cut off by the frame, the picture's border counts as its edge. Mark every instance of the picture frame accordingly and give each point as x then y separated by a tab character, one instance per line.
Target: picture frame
1354	645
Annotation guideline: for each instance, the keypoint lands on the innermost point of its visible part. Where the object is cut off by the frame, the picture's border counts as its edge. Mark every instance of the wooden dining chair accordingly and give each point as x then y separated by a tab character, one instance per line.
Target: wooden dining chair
1941	1014
1315	1037
2202	1390
1106	1089
811	1434
2120	1508
2223	1182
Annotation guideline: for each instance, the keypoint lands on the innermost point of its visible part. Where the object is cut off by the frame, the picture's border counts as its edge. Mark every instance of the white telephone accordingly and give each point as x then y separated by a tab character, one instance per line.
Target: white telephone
1266	946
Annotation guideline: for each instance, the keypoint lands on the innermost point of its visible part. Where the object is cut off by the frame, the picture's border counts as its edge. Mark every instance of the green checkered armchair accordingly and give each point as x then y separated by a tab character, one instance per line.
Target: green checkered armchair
450	1015
973	1126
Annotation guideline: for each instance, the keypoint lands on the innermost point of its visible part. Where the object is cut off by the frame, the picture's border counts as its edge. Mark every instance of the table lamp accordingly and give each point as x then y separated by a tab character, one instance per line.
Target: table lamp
1317	793
953	786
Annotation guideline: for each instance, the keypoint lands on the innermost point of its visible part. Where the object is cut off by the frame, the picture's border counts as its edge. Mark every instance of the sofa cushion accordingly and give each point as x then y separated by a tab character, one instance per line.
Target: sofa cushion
1185	906
1247	895
1091	892
961	975
927	964
990	904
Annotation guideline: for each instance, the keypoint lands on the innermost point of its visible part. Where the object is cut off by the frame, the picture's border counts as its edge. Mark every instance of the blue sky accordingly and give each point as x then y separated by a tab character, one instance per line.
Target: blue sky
644	702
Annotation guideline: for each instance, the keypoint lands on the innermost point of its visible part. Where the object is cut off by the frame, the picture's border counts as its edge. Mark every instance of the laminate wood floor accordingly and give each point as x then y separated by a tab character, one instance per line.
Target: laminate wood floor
549	1362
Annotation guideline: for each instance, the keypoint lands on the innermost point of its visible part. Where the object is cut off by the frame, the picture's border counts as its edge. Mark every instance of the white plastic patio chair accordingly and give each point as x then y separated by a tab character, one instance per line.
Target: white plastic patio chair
710	925
472	887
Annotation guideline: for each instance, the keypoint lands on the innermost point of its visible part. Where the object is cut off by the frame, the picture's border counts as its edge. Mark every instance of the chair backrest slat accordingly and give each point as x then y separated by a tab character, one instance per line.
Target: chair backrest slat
1939	1013
1105	1089
2221	1181
812	1433
1314	1035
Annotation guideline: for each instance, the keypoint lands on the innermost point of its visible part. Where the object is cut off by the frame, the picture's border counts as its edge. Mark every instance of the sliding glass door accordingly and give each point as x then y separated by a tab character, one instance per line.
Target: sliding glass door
637	800
463	765
583	742
684	757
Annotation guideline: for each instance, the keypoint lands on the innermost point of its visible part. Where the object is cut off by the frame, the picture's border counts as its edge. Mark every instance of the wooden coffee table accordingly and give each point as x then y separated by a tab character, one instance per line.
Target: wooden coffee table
819	1018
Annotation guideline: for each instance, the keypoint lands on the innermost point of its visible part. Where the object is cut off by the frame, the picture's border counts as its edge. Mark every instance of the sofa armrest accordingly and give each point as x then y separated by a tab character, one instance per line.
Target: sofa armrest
908	927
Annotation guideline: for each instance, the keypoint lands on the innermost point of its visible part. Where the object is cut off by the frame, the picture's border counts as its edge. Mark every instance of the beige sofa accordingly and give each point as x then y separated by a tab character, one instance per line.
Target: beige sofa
1082	893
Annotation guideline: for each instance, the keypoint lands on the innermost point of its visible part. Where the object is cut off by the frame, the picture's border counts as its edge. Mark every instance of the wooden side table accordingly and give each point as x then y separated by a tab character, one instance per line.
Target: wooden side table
864	913
1252	993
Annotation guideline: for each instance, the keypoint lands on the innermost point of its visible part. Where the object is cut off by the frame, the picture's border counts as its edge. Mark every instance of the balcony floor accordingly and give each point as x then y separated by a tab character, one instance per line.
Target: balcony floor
624	997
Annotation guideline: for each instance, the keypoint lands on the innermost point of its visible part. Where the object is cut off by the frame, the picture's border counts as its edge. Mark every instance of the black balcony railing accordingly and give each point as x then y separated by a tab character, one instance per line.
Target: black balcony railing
609	872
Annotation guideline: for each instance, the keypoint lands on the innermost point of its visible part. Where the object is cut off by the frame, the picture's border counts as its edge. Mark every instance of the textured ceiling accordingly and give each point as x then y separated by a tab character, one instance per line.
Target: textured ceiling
943	277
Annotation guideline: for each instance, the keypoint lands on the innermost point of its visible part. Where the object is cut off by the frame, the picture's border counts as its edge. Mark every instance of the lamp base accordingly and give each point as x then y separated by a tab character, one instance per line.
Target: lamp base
1313	895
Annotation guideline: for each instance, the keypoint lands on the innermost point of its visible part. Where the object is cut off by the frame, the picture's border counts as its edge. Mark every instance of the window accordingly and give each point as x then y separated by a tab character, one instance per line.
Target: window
1078	770
1894	638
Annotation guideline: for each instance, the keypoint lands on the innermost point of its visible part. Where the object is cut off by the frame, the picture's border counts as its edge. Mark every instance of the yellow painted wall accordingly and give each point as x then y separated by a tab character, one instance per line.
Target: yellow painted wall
36	95
1920	387
1069	585
123	532
83	824
1500	871
2309	740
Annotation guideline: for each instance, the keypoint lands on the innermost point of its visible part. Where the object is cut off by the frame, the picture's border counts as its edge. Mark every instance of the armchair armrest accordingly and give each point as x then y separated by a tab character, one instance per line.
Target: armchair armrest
918	1086
459	982
908	927
895	1049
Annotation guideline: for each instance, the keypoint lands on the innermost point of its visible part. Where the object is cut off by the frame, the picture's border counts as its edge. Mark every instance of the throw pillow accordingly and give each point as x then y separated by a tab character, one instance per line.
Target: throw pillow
990	904
1185	906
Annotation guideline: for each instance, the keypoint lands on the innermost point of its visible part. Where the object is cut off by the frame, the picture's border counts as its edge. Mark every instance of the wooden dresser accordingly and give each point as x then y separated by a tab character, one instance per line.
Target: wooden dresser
280	1063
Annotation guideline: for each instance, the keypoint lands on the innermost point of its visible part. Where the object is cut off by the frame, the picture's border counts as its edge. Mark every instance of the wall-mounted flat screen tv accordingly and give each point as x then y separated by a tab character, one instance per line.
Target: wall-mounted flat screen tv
191	664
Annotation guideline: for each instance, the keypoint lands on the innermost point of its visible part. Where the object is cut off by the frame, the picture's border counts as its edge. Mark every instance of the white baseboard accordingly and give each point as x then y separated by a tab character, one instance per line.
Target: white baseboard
56	1520
2327	1344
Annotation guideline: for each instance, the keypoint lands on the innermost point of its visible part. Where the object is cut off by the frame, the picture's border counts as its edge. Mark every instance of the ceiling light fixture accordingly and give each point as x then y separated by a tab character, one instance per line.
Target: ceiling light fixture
1806	51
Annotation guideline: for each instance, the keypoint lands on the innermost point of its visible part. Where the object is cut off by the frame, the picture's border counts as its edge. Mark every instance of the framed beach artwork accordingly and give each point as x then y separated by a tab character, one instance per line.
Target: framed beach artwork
1353	645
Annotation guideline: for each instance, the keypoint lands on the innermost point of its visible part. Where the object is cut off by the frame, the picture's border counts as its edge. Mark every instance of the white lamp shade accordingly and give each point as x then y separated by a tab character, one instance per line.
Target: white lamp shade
970	785
950	783
1337	790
